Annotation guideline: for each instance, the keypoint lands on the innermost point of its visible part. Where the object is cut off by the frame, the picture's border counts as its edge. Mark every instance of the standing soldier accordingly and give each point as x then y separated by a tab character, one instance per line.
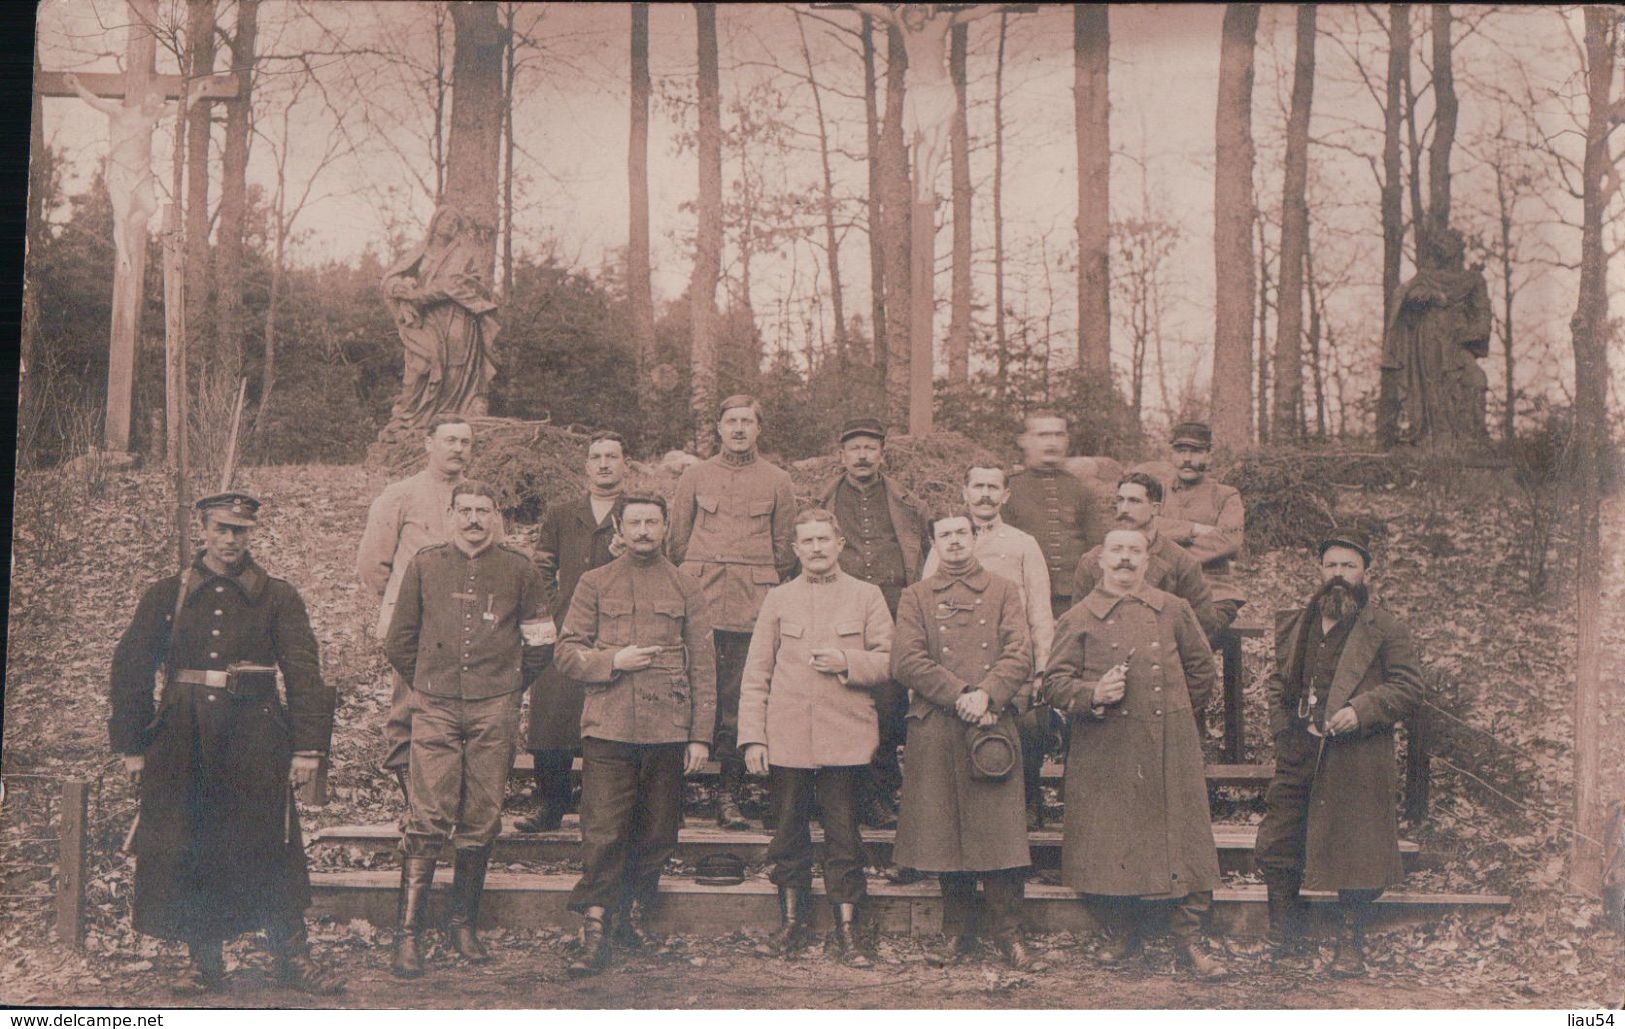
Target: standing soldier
1345	672
1051	504
470	623
730	531
807	717
961	646
408	516
637	638
576	537
885	542
1129	665
1005	550
218	848
1206	518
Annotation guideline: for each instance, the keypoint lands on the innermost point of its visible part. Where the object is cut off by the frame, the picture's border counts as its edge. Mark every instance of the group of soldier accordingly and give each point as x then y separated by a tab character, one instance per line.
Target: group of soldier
806	645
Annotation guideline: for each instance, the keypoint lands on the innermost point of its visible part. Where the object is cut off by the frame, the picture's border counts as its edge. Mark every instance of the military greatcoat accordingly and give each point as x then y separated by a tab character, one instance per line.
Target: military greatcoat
1137	819
572	543
219	850
955	633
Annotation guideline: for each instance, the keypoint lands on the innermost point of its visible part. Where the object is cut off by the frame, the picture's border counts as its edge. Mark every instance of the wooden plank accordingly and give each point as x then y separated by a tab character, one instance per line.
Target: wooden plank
73	857
112	85
1235	724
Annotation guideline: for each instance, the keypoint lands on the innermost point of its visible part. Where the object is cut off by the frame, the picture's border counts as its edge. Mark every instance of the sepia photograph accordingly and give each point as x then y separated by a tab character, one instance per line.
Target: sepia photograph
872	506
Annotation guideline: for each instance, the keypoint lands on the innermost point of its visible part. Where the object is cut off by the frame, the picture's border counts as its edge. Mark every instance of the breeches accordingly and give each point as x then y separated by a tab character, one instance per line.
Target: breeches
398	723
631	809
462	752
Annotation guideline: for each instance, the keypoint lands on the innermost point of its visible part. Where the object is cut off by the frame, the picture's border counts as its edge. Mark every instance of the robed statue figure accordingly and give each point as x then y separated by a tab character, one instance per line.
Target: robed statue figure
443	309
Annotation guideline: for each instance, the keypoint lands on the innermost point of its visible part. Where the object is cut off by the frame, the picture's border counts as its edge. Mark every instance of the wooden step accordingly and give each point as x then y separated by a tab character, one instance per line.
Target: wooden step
1053	772
536	900
700	837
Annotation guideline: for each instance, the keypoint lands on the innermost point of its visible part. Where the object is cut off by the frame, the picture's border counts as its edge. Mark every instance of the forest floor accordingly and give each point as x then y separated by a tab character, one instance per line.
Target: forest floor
1453	566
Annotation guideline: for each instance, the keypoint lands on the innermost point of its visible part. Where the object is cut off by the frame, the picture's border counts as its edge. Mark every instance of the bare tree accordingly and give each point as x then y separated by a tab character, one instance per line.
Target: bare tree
959	326
1287	419
702	286
1001	341
1091	63
640	292
1234	211
228	265
1445	109
832	241
1393	205
474	142
200	53
875	163
896	199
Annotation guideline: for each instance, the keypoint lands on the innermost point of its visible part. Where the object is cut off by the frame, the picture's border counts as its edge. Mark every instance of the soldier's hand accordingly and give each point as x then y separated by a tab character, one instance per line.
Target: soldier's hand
756	758
133	764
304	768
971	706
633	658
1344	720
831	660
1109	690
988	720
695	757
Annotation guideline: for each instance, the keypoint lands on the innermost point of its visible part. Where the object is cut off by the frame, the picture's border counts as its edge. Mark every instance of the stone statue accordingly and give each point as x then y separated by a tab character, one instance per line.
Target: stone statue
443	310
1438	330
929	100
128	169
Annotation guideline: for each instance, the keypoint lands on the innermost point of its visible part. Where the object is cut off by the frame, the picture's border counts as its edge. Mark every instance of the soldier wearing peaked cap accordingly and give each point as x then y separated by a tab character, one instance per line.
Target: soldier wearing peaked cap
1205	517
218	846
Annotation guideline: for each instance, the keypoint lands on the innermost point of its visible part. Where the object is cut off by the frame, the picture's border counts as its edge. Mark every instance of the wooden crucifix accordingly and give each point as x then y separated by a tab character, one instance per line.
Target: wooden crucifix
134	103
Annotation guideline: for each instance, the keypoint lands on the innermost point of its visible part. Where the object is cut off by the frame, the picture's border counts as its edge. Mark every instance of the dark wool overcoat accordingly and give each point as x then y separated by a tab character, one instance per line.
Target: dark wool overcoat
572	543
1352	836
219	850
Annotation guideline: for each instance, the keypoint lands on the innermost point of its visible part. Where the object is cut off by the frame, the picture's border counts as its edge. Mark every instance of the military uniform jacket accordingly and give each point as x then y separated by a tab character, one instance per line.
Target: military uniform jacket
1055	508
219	848
808	718
1353	831
956	633
911	525
460	623
731	532
1171	570
409	515
1137	820
1212	504
647	603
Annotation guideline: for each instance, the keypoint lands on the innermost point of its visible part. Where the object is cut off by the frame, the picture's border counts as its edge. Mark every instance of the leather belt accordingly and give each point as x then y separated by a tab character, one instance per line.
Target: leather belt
238	687
199	677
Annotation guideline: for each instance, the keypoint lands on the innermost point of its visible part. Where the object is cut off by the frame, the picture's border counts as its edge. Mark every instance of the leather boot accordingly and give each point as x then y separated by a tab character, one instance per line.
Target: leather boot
1349	961
631	928
873	811
729	787
1035	816
204	973
551	770
845	942
292	963
1284	941
1190	951
953	949
594	941
417	876
791	935
1013	949
467	887
1122	929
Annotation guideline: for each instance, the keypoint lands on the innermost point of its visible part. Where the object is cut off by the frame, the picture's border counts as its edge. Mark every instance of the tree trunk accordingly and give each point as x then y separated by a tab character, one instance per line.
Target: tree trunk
1235	210
877	250
959	328
1393	207
39	183
1263	364
1091	62
1001	340
1444	120
200	49
1294	238
1509	411
639	289
832	240
474	142
896	200
1418	212
1316	319
510	67
1591	331
702	286
228	269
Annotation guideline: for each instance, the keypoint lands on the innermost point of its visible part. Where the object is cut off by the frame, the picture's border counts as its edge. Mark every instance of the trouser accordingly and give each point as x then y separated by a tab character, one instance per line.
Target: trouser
1001	895
631	809
1124	914
1283	833
790	852
398	723
1040	736
884	775
462	752
551	768
731	649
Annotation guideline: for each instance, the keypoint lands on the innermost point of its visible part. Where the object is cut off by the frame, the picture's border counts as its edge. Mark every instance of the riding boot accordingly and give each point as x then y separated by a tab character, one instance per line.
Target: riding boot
467	887
594	940
1349	961
1121	924
631	928
290	952
1013	949
845	942
205	972
730	787
417	876
791	935
1190	951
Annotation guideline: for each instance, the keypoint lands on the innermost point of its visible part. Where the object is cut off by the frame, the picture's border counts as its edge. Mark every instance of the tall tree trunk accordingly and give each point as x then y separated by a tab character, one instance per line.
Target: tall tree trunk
1316	315
876	227
1418	212
1263	363
1503	200
1235	209
39	183
640	291
702	286
510	67
959	328
228	268
896	200
1444	120
1091	63
474	142
1000	339
1294	237
832	240
200	50
1591	332
1393	206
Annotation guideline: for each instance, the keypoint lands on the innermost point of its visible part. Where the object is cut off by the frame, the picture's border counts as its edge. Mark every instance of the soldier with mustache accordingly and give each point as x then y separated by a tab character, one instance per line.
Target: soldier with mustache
1205	517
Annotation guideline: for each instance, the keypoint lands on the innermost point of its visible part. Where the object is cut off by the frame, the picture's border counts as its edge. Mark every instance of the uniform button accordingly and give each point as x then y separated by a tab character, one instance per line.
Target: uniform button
1154	667
1156	689
1156	712
220	589
1110	622
982	621
214	653
984	646
465	668
218	612
214	632
987	668
1114	646
211	698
